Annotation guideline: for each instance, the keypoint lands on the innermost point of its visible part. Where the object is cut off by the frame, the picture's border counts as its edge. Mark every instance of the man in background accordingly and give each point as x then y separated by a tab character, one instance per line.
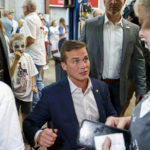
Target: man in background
34	32
115	42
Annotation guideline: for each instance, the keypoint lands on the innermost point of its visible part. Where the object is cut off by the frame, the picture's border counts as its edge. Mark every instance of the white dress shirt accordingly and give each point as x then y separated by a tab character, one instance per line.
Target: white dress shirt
84	103
113	39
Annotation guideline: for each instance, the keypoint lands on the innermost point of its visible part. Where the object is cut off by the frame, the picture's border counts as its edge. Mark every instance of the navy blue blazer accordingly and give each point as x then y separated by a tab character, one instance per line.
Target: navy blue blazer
56	106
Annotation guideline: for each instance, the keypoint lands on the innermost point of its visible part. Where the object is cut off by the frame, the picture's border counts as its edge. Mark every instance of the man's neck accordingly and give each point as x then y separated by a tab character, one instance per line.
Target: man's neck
81	84
29	12
114	18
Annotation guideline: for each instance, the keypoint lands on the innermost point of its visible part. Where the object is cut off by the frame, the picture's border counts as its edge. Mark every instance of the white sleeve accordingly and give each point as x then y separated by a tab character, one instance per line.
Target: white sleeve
29	29
10	132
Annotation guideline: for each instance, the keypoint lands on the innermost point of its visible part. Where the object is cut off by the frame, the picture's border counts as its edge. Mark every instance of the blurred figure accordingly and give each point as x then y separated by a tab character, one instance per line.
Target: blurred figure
45	33
20	25
46	45
15	23
34	32
48	26
8	24
54	37
10	131
60	73
4	33
4	60
62	32
97	12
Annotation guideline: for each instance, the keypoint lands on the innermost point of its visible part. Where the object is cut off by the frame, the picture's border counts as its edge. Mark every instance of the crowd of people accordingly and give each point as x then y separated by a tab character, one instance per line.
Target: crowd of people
100	71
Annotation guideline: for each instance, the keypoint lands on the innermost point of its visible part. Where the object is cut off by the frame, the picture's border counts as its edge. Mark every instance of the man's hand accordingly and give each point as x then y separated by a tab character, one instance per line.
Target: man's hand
106	144
138	99
119	122
47	137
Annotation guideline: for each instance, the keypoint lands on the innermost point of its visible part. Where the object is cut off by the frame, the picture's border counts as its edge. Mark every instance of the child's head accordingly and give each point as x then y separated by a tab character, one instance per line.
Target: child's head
17	42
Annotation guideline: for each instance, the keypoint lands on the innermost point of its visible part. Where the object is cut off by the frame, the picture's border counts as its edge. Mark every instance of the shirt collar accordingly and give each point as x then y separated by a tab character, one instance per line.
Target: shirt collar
73	87
30	14
120	22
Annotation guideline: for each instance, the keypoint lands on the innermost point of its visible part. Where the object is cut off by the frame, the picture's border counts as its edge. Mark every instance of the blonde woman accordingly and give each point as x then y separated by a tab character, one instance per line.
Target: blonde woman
54	38
20	24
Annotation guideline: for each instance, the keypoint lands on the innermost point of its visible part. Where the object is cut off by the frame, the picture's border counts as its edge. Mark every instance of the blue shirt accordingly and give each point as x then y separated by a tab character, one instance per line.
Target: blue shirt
8	26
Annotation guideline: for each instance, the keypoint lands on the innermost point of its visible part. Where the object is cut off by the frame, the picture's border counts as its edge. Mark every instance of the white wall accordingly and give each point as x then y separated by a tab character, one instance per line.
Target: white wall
1	3
58	12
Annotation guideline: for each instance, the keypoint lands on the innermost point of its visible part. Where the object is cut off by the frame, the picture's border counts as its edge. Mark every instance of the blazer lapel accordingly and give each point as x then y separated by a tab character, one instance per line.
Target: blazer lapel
98	98
126	37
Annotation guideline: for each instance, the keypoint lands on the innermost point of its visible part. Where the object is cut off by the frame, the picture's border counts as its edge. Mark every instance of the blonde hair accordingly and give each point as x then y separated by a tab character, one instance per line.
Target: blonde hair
17	36
20	23
145	3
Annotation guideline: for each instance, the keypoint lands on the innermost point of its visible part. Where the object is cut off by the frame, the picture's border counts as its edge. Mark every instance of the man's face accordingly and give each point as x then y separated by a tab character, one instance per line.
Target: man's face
77	65
113	7
18	45
144	17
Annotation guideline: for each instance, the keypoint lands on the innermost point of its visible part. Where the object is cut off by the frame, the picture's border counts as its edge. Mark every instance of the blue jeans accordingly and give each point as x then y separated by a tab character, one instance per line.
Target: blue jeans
60	43
38	85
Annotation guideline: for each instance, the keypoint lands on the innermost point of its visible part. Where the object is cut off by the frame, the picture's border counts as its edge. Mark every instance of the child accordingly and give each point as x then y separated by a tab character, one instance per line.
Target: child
23	71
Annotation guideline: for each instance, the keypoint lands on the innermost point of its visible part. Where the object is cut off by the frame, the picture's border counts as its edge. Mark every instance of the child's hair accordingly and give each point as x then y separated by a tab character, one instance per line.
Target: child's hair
17	36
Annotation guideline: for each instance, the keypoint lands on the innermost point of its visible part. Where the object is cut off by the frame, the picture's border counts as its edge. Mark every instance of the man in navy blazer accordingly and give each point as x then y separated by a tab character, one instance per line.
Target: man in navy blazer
68	102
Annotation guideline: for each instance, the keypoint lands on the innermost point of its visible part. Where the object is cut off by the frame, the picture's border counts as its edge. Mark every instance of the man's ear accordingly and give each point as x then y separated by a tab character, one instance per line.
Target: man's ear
63	65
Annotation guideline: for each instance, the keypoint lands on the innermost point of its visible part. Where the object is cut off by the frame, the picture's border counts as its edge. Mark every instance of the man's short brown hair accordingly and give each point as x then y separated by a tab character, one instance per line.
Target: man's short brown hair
69	46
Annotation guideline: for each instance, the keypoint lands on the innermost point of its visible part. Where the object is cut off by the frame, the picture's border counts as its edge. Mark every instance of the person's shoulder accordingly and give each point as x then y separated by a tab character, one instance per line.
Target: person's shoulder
6	90
98	82
94	20
27	55
56	85
32	17
130	24
3	85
